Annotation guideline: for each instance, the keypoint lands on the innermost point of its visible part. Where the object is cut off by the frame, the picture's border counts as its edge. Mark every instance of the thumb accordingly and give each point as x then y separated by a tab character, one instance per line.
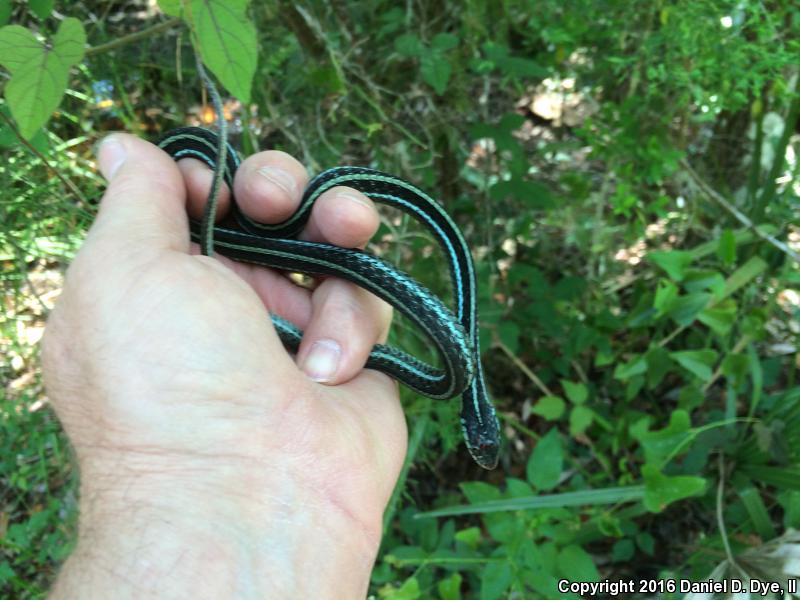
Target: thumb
145	201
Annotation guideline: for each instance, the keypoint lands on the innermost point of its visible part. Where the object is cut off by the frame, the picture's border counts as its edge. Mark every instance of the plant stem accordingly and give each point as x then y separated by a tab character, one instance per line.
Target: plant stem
63	178
717	197
524	368
133	37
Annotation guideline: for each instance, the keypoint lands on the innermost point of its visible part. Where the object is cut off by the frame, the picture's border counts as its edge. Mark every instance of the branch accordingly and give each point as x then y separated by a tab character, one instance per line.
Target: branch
524	368
31	148
717	197
133	37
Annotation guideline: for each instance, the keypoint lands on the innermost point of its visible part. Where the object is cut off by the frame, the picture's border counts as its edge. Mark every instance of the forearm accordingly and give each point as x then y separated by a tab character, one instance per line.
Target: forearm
162	536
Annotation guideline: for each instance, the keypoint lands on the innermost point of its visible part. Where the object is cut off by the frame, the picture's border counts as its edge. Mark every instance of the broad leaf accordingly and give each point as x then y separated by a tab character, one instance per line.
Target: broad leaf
5	11
39	72
450	588
495	579
635	366
662	490
19	48
41	8
576	392
546	461
575	563
436	71
698	362
408	45
660	444
173	8
444	41
408	591
549	407
508	332
674	262
227	41
579	419
686	308
720	317
666	294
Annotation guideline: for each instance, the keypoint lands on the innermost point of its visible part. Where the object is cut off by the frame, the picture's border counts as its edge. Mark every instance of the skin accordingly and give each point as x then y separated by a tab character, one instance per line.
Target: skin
213	464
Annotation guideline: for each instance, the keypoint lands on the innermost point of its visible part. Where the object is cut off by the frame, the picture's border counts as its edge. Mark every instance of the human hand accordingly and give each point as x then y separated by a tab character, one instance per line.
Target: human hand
211	464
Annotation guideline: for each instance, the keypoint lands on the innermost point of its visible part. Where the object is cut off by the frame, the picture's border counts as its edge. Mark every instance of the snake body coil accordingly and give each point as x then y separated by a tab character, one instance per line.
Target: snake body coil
273	245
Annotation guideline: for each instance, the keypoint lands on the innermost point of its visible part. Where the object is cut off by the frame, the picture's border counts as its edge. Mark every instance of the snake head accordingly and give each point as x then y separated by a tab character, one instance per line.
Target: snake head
485	453
479	425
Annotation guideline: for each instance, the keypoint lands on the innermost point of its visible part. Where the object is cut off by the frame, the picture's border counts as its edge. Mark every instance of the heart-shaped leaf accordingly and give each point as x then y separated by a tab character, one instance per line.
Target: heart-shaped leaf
228	45
39	71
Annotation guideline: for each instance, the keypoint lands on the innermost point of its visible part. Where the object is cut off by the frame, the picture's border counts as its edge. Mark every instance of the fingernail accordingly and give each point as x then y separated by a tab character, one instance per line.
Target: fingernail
322	360
353	198
280	178
111	154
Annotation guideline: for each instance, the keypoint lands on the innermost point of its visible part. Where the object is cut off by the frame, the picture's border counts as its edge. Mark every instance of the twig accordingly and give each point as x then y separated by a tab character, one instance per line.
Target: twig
64	179
717	197
721	520
133	37
524	368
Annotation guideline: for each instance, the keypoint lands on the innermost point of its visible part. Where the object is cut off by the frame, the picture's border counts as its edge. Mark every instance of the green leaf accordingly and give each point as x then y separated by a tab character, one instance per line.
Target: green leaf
227	40
5	11
635	366
39	72
658	365
546	461
734	367
450	588
574	562
666	294
19	48
41	8
436	71
471	536
408	45
743	275
495	579
444	41
686	308
698	362
662	490
754	505
576	392
173	8
674	262
508	332
596	497
659	445
726	247
549	407
700	280
408	591
498	55
579	419
479	491
785	478
719	317
623	550
646	542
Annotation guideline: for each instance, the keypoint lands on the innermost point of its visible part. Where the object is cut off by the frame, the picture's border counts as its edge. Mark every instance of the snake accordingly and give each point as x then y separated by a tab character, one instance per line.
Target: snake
454	334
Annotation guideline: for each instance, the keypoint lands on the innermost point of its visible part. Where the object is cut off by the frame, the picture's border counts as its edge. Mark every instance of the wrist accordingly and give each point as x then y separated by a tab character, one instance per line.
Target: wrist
205	531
